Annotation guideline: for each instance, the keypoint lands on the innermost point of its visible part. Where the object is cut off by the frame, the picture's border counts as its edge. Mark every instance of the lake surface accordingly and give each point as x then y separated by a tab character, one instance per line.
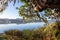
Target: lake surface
5	27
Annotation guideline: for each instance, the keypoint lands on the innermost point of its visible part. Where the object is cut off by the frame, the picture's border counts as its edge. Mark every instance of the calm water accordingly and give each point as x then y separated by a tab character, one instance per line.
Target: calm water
4	27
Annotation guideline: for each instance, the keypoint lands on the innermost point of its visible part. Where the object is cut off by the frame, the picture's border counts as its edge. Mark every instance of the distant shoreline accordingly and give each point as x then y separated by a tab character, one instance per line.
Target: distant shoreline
19	21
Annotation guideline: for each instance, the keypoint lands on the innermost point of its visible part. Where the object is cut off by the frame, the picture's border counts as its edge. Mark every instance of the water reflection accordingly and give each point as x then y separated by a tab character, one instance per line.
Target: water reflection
4	27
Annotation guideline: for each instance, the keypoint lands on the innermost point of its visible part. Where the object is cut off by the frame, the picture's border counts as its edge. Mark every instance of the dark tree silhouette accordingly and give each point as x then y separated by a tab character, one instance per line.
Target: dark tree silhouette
43	4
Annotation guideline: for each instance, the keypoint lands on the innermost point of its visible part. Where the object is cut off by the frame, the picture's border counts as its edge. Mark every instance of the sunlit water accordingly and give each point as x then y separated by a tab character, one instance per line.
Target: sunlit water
5	27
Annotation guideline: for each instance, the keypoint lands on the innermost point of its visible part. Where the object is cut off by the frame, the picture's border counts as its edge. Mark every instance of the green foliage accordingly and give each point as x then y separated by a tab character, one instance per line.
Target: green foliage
24	0
27	12
1	38
52	13
53	29
14	33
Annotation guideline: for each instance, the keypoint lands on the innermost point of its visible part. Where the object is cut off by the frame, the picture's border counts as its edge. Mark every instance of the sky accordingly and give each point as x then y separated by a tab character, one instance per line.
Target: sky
11	12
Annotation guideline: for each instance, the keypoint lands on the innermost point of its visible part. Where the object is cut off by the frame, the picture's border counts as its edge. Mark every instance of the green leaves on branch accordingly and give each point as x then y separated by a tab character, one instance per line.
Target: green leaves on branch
24	0
27	11
52	13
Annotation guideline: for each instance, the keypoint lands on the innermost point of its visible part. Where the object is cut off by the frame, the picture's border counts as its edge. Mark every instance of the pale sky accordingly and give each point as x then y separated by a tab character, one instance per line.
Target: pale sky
11	12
